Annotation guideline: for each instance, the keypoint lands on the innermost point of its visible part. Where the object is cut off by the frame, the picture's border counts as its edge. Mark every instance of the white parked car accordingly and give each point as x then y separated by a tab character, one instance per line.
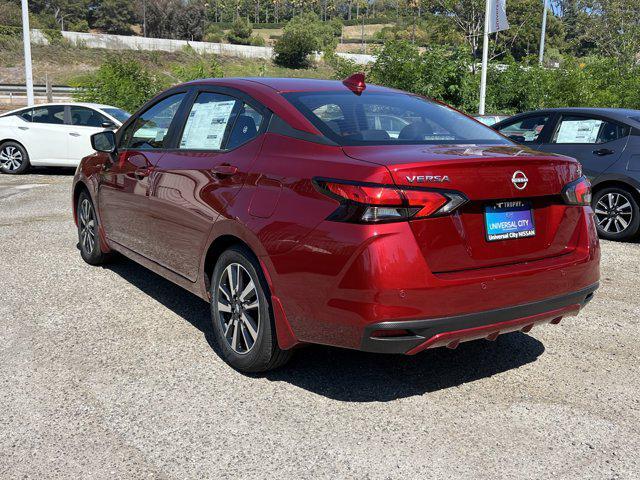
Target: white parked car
53	134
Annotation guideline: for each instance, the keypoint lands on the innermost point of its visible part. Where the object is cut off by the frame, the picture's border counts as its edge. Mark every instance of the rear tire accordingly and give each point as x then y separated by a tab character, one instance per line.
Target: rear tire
243	325
14	159
617	214
88	236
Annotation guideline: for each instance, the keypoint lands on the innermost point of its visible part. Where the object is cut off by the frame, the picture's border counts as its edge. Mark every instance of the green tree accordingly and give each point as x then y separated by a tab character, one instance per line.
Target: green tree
240	33
614	26
114	16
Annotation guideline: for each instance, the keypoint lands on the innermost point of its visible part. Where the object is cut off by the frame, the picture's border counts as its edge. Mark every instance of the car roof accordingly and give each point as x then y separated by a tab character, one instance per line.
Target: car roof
284	85
621	114
98	106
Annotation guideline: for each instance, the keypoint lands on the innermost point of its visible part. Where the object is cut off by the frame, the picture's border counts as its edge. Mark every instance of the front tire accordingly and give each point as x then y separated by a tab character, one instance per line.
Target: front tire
14	159
88	237
617	214
241	313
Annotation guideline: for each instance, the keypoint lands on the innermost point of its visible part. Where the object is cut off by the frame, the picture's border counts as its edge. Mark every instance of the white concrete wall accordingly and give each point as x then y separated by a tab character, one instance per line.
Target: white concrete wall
122	42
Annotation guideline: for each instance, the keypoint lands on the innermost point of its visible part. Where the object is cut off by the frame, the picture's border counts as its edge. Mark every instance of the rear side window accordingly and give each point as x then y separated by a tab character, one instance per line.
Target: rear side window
86	117
53	114
245	128
386	118
574	129
150	128
527	129
219	122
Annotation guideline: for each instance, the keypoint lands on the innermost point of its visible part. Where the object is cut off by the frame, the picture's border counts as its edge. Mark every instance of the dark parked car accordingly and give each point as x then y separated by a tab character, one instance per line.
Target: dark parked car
606	141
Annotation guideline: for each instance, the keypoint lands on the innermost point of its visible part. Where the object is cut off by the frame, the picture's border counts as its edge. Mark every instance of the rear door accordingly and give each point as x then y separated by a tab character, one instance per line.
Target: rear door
46	136
124	184
194	182
595	141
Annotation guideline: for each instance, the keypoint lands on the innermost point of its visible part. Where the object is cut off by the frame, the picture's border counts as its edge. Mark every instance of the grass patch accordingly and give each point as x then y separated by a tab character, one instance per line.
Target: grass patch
64	64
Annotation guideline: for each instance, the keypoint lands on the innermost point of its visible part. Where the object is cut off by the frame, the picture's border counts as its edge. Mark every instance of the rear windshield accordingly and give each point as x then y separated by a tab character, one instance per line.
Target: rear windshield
389	119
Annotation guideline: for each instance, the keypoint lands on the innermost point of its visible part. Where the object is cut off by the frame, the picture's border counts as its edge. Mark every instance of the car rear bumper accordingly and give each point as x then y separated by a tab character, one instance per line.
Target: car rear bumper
450	331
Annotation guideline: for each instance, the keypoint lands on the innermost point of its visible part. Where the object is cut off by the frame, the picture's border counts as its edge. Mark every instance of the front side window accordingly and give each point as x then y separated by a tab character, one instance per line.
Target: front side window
527	129
86	117
53	114
574	129
389	118
150	129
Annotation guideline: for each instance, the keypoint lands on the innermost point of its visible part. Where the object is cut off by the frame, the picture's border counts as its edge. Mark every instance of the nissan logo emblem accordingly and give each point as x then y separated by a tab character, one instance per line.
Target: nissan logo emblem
519	180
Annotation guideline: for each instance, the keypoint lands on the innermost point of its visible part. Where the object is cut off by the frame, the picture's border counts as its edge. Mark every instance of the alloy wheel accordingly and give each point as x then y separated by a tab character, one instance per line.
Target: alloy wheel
86	217
238	308
11	158
613	212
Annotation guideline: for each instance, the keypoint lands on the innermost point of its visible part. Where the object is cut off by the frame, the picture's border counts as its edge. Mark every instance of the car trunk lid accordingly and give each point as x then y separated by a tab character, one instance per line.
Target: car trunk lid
490	177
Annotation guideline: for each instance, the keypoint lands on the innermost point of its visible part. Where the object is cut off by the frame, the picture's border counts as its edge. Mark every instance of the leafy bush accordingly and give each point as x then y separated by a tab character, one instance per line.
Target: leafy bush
121	82
199	69
241	34
342	67
292	49
79	26
303	35
213	33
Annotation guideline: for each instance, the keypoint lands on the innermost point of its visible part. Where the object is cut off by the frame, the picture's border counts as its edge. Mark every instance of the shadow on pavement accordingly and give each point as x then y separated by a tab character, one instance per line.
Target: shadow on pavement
349	375
55	171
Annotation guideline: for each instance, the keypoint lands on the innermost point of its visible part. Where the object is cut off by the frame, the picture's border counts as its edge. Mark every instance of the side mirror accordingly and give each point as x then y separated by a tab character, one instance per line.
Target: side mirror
109	125
518	138
104	141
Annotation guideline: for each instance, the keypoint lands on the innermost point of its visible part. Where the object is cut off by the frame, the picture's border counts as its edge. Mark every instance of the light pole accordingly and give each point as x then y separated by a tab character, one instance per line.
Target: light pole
485	58
543	33
26	39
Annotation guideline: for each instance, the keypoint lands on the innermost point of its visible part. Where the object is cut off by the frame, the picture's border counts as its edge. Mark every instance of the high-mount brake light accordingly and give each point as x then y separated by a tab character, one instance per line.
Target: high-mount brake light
577	192
370	203
355	83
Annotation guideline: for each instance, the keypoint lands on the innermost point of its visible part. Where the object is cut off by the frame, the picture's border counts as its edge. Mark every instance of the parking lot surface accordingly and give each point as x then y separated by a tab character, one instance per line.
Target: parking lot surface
109	372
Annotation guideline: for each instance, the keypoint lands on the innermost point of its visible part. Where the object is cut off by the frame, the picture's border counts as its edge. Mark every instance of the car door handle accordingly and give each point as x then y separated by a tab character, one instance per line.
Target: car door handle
224	170
142	173
23	128
74	134
603	151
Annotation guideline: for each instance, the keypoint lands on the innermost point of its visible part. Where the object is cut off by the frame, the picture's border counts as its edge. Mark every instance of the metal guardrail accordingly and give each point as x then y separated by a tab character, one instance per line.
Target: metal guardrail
15	95
7	88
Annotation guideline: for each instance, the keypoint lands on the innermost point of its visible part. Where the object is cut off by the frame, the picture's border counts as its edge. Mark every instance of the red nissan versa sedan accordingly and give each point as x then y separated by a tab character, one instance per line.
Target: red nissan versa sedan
313	211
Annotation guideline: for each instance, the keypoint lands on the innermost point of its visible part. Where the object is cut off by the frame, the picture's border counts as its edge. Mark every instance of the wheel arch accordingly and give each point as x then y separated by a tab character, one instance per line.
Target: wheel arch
219	245
287	339
78	188
617	183
5	140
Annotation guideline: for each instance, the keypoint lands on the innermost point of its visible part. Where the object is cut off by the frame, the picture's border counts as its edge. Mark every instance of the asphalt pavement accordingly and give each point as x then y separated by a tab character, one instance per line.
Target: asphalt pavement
110	373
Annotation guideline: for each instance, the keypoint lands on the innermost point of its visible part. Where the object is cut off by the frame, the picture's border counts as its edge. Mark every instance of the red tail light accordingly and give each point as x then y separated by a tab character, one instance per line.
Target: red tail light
577	192
372	203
